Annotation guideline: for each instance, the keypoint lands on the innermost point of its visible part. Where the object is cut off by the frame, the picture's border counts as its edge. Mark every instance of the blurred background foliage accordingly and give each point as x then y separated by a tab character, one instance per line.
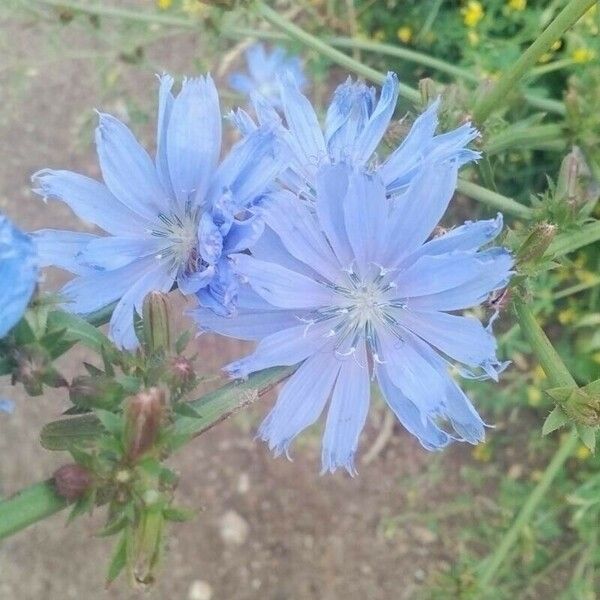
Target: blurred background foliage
559	554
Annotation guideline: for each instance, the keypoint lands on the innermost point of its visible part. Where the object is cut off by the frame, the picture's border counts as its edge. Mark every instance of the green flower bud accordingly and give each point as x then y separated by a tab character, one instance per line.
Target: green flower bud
155	316
536	244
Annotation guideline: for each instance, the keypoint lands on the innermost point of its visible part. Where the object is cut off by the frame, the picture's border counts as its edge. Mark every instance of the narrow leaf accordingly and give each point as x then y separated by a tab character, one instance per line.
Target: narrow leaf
557	418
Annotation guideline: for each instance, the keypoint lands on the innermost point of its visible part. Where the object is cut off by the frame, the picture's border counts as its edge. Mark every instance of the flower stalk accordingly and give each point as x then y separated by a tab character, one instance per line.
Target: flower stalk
495	97
559	376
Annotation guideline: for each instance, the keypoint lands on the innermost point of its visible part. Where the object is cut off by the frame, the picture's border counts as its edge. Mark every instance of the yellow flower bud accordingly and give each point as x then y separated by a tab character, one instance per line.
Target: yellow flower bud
404	34
472	13
517	5
583	55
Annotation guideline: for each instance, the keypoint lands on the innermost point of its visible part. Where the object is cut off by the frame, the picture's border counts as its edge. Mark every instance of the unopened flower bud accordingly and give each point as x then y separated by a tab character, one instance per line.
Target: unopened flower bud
144	414
155	316
573	170
428	91
72	481
98	391
536	243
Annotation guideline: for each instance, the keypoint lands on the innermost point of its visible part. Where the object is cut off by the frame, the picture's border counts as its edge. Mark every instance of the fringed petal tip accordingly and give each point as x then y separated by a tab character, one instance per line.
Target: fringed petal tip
330	464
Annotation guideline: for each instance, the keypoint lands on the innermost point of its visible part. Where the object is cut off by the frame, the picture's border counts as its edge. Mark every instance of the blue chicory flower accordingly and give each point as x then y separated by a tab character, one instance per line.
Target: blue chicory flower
264	68
355	124
18	274
172	220
7	406
348	288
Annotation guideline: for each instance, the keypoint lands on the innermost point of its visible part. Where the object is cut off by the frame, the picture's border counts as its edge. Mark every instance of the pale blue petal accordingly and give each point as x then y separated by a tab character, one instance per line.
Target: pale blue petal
347	413
269	248
222	292
428	434
411	151
165	106
332	187
57	248
366	220
128	171
463	339
243	235
280	286
249	168
418	380
300	234
190	283
463	416
242	121
420	209
194	138
487	271
285	347
92	291
90	200
241	83
300	402
18	274
210	240
374	130
114	252
306	136
7	406
469	236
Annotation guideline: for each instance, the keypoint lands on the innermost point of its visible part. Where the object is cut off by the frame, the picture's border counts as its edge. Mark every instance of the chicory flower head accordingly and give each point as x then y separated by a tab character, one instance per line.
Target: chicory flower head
172	220
264	68
18	274
355	125
349	288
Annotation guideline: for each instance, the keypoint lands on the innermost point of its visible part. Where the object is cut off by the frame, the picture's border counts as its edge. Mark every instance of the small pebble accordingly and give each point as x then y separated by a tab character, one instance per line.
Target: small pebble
234	528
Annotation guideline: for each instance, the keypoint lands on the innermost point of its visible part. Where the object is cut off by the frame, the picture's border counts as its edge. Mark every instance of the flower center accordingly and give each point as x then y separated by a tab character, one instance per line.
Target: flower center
181	240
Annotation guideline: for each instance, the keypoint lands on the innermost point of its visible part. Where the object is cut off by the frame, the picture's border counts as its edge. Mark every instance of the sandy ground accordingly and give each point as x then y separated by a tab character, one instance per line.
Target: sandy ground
268	529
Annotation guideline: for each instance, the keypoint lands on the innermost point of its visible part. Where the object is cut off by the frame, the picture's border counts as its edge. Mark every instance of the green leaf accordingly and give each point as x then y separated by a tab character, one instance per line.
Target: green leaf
112	422
588	436
62	434
557	418
118	560
116	524
178	515
79	330
185	410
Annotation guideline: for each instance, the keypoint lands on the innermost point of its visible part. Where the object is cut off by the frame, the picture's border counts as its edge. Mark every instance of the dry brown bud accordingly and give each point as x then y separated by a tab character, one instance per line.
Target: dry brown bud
72	481
144	414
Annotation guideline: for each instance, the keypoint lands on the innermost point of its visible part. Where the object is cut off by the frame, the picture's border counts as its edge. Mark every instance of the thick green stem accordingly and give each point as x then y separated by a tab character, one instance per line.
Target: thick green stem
30	505
297	33
493	199
496	96
559	376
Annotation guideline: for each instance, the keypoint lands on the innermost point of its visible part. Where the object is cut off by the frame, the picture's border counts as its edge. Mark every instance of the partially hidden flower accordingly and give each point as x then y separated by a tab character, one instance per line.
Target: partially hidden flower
264	69
171	220
350	289
355	125
18	274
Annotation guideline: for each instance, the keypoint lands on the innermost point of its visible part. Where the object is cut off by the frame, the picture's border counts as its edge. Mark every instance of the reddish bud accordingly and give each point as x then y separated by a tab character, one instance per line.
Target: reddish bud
144	415
72	481
182	370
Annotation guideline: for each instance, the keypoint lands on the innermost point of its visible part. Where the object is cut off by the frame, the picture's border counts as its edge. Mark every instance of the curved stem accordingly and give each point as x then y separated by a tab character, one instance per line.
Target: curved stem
565	243
559	376
28	506
493	199
563	21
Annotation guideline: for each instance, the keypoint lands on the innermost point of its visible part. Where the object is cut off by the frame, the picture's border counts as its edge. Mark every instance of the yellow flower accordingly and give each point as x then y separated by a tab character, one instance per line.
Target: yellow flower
518	5
582	452
473	38
164	4
534	396
566	316
583	55
472	13
404	34
482	453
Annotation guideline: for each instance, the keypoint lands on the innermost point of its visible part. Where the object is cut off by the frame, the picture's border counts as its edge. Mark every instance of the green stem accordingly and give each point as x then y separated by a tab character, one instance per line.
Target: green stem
495	97
493	199
309	40
28	506
559	376
569	242
521	138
